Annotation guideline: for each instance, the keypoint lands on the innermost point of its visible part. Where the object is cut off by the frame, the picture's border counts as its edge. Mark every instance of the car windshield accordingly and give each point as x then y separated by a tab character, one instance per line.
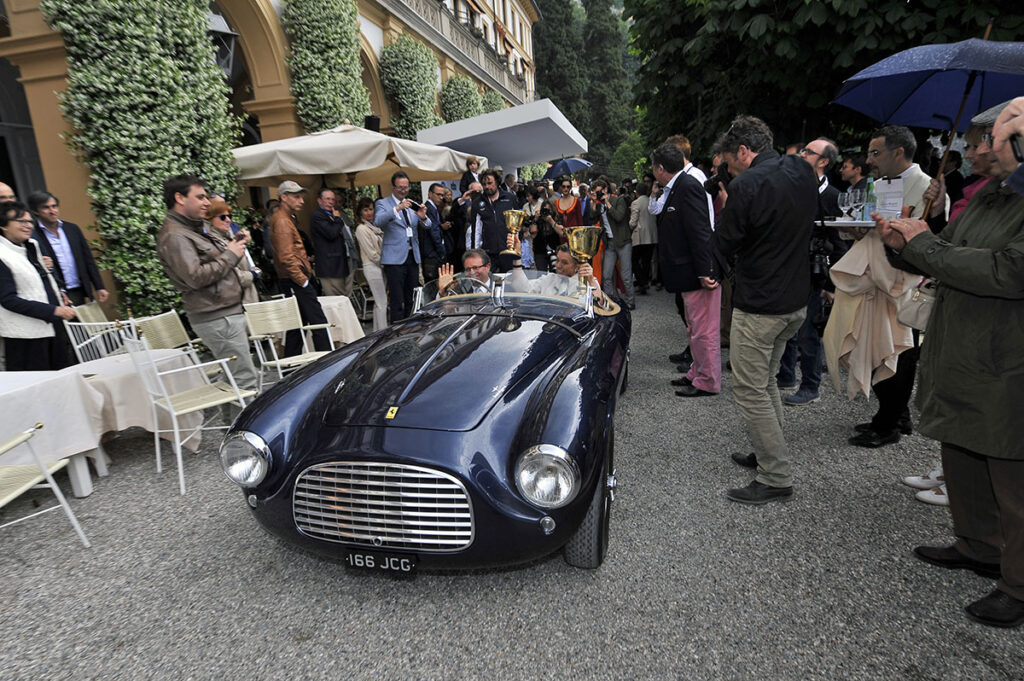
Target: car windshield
520	288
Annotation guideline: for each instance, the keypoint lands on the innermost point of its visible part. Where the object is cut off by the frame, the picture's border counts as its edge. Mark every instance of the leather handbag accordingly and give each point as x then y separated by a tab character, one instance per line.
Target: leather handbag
915	310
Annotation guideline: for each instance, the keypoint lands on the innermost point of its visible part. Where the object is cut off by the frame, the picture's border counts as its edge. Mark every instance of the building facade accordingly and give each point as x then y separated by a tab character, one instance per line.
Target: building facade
488	40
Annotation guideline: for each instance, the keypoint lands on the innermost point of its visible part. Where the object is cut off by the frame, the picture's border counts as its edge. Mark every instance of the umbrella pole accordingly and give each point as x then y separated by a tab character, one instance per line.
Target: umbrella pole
952	133
970	83
352	193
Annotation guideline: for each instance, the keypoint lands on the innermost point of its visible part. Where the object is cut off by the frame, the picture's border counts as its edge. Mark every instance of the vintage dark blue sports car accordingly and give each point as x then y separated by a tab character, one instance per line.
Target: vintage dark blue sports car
478	432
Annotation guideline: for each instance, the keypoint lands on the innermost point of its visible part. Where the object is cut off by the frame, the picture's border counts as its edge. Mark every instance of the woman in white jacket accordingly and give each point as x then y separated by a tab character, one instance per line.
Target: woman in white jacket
31	310
370	239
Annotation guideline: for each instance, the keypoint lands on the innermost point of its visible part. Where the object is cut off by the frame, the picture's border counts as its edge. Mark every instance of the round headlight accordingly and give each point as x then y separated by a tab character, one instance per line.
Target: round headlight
547	476
245	458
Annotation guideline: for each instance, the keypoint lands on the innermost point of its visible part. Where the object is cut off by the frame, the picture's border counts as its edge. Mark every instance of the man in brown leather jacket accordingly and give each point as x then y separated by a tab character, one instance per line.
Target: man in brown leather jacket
206	272
293	269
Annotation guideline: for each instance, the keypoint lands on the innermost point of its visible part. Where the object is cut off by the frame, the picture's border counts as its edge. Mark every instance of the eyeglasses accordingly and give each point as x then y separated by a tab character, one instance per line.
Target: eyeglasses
874	153
24	221
987	138
472	269
225	217
807	152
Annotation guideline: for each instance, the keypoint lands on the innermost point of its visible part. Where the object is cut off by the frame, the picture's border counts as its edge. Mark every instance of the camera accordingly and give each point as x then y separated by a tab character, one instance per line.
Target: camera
415	206
722	177
820	254
600	195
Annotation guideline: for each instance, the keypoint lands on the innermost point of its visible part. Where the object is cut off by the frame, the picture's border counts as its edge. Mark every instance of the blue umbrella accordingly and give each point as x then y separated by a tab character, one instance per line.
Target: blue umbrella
567	166
925	86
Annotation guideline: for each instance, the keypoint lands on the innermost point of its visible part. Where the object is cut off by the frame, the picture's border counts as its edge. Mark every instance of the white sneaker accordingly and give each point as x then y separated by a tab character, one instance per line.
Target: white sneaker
927	481
935	495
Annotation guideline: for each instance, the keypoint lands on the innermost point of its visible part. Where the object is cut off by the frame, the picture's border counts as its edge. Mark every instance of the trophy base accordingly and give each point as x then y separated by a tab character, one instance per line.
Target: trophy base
508	251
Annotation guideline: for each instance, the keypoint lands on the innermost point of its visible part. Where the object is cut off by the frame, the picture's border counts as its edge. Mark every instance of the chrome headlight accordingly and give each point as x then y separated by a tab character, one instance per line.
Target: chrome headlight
547	476
245	458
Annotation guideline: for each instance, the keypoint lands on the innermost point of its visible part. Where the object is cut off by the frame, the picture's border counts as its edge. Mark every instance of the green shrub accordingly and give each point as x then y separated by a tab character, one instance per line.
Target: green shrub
492	101
324	61
408	72
460	99
146	100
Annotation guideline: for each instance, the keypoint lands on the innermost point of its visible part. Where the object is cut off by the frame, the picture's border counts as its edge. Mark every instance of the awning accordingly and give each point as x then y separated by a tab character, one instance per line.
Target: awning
513	137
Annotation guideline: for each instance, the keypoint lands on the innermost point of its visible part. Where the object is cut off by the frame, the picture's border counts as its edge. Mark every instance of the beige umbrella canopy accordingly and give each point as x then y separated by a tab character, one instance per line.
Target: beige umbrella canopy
346	155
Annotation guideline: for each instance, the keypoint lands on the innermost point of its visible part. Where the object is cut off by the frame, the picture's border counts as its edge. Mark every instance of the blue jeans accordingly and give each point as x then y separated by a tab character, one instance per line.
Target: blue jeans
808	343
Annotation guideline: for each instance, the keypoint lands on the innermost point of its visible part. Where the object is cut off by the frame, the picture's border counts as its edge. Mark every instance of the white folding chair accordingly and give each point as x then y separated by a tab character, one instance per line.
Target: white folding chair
90	312
15	480
93	340
269	318
166	332
178	404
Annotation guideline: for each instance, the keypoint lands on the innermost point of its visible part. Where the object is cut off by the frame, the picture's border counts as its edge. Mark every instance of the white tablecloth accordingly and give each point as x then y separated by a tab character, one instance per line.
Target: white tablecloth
339	311
125	401
70	410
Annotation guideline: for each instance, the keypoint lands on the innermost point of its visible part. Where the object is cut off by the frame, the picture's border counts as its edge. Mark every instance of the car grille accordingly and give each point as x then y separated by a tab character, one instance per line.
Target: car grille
383	505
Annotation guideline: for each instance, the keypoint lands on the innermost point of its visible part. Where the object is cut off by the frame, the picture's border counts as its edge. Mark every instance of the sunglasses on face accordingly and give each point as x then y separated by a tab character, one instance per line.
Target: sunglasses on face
225	217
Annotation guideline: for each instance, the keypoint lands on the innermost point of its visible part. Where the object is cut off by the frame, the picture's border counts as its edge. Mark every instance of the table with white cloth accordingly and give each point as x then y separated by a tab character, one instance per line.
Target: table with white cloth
339	311
70	410
125	400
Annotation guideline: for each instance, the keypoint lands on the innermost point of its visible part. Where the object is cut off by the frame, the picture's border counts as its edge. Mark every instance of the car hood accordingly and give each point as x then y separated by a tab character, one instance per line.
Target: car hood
444	373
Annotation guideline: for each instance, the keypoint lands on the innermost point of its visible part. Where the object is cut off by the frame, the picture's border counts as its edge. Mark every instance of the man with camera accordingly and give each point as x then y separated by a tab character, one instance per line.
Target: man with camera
826	248
400	218
613	212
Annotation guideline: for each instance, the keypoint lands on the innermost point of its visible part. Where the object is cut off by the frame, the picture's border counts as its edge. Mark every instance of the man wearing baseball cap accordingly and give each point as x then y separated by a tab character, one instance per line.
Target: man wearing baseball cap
293	269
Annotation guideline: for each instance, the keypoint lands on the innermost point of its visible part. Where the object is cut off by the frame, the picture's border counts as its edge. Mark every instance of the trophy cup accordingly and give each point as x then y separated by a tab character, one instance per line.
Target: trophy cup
513	222
583	243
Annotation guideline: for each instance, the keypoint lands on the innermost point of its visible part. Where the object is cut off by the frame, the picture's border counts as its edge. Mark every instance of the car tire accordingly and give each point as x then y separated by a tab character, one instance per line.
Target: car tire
625	379
587	548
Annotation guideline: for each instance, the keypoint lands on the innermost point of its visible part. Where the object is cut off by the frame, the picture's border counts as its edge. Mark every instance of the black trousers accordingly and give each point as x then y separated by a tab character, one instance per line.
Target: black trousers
429	266
311	313
894	392
401	280
36	354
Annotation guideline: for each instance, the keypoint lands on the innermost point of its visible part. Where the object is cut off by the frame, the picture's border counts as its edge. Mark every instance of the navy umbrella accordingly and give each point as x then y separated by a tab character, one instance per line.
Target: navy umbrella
929	86
567	166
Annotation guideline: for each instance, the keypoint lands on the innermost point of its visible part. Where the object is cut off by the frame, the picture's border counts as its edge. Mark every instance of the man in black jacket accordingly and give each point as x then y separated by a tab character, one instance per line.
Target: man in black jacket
687	266
64	243
335	248
765	228
486	229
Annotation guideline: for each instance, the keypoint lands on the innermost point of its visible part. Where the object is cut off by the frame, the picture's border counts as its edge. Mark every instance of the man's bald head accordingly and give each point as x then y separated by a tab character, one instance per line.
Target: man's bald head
6	193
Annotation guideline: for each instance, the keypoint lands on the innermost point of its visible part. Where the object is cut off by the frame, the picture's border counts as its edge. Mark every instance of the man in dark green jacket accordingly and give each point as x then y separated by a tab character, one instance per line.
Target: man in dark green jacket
972	383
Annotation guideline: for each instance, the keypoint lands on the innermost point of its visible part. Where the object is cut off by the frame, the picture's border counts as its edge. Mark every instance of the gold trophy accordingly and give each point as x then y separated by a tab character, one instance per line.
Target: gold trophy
513	222
584	243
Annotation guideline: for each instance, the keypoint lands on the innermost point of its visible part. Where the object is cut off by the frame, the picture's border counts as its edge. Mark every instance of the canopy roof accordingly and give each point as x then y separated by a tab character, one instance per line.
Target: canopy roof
513	137
344	156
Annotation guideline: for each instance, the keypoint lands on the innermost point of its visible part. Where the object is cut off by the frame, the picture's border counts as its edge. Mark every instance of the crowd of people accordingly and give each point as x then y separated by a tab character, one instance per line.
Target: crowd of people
748	253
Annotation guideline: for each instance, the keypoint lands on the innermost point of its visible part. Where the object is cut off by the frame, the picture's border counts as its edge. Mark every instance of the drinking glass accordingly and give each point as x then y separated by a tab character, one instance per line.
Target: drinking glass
844	204
857	198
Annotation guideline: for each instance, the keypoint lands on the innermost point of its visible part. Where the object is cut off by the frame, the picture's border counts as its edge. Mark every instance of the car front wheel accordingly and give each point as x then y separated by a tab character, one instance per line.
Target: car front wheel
588	546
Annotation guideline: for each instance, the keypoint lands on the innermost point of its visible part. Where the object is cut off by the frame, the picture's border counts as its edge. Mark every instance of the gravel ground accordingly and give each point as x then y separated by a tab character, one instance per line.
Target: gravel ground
694	587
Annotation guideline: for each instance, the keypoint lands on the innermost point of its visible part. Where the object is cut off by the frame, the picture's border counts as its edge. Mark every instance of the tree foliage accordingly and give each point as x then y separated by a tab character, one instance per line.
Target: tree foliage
533	172
706	60
492	101
408	72
460	99
146	100
607	87
326	72
558	50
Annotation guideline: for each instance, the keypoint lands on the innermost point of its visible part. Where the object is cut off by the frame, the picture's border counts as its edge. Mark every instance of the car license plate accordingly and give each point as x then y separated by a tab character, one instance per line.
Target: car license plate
386	562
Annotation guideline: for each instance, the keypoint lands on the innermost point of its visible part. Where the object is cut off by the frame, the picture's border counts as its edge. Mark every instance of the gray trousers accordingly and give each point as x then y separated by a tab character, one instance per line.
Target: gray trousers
987	506
624	256
337	286
757	343
227	337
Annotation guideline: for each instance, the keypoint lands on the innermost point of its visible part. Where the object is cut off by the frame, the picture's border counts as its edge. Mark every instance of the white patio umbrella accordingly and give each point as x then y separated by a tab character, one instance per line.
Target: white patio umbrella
347	155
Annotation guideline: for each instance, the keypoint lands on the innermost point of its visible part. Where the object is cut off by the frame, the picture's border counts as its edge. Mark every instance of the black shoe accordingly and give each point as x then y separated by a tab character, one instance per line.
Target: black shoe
872	440
745	460
684	368
684	357
757	493
903	425
680	381
951	559
691	391
998	609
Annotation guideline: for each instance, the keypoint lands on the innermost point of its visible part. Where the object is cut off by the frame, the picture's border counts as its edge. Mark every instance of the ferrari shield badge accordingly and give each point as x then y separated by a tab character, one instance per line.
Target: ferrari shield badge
391	412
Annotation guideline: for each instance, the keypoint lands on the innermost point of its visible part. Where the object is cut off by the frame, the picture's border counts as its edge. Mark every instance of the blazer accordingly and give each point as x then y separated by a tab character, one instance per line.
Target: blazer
431	241
684	237
88	273
396	239
334	245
